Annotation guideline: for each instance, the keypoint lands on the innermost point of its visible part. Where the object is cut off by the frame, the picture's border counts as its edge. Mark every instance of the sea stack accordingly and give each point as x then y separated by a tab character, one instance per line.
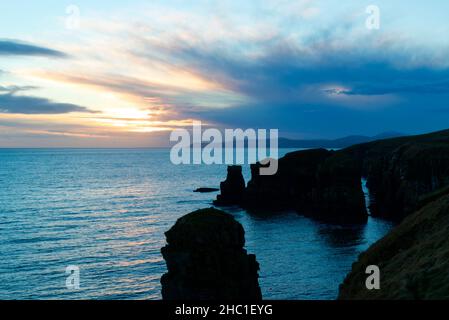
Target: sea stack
206	259
232	189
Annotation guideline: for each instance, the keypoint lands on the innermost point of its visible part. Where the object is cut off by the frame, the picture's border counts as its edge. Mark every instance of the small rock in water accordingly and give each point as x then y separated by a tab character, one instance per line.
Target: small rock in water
206	190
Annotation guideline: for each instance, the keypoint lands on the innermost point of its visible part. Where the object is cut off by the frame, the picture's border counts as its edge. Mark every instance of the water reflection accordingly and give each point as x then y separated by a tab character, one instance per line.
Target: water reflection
341	236
107	210
301	258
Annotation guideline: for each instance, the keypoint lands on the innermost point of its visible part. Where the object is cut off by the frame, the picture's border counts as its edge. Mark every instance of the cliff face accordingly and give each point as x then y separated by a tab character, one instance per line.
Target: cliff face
400	178
401	171
327	184
295	181
413	259
318	183
206	260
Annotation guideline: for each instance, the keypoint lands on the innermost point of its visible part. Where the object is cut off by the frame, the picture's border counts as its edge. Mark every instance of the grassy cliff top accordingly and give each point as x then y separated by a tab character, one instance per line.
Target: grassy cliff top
413	259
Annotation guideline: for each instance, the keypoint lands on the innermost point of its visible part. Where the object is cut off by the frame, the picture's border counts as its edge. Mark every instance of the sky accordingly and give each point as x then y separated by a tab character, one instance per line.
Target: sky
125	74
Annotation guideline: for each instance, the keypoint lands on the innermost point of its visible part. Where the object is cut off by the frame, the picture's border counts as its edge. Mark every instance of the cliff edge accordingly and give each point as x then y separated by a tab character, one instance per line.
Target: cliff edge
327	184
413	259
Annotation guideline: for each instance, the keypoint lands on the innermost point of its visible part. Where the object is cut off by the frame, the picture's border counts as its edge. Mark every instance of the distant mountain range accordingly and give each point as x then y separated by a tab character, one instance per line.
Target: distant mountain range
336	143
329	143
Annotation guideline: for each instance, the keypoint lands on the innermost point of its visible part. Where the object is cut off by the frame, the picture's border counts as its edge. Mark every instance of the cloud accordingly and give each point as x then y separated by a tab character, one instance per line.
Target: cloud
15	89
327	79
331	83
11	103
18	48
24	131
319	71
413	86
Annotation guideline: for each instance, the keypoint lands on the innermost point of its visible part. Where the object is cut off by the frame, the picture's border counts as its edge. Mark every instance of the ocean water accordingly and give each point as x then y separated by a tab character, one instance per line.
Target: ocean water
106	212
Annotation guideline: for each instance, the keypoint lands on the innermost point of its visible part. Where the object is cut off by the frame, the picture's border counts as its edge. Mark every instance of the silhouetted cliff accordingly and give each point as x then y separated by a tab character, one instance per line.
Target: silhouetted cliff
318	183
401	171
232	189
413	259
327	184
206	259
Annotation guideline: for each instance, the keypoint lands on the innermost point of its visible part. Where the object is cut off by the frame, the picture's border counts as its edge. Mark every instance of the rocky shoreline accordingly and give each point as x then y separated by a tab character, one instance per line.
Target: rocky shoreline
408	179
327	184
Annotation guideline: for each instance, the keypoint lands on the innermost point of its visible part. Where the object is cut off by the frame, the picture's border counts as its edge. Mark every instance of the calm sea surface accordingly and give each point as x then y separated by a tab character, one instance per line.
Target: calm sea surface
106	211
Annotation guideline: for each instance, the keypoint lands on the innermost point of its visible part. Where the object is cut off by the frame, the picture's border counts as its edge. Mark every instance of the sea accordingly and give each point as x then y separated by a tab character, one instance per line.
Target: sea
105	212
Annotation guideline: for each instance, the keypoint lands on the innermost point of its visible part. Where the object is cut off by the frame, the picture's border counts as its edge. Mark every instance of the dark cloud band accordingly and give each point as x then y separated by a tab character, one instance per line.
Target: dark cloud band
17	48
11	103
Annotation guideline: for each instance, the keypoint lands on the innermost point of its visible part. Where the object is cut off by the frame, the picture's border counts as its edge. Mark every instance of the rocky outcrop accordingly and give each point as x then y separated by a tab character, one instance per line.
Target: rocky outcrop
206	190
413	259
401	171
340	195
327	184
232	189
319	183
206	260
294	183
399	179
